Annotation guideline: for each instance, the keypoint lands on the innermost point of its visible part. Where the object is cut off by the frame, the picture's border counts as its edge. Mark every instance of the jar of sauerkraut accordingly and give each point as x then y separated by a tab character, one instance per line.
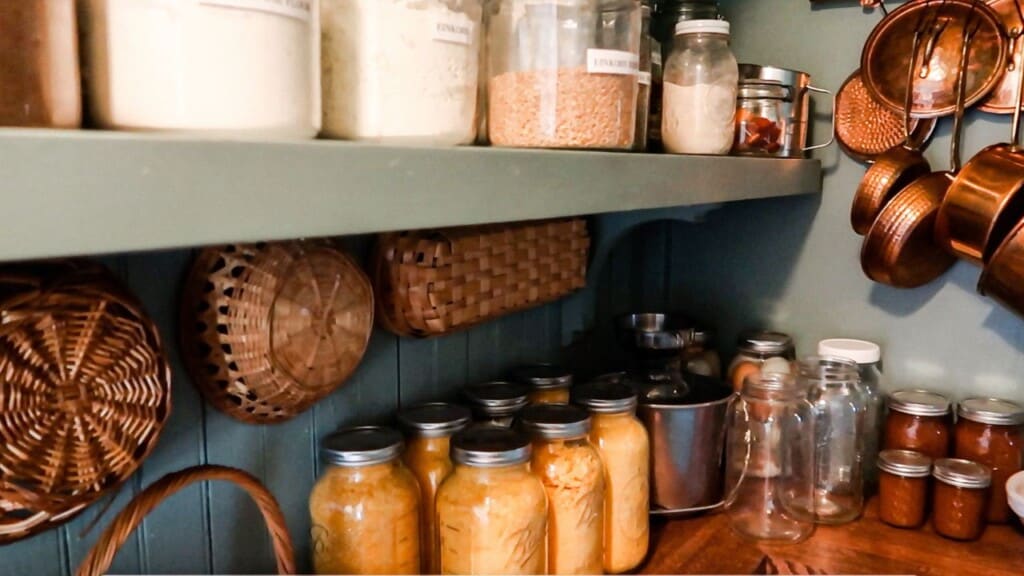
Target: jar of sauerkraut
496	403
491	512
365	507
622	441
549	384
429	429
573	475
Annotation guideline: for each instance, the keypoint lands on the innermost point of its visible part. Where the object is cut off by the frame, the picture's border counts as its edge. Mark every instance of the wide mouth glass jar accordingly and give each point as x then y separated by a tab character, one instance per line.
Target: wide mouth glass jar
961	498
919	420
903	487
991	432
549	384
760	122
497	402
761	350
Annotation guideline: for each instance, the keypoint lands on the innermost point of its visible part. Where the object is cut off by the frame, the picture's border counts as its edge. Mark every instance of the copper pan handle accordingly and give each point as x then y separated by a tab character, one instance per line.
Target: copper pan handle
832	130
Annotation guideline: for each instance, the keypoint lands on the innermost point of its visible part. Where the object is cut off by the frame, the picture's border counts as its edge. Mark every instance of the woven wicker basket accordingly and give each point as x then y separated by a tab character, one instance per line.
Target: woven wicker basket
269	329
85	391
435	282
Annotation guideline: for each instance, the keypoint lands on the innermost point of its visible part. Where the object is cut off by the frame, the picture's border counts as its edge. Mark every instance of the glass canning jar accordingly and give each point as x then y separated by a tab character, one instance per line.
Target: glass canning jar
563	73
960	498
429	429
700	356
573	475
760	350
770	460
991	432
549	384
622	441
760	122
903	487
364	509
491	511
918	420
497	403
644	77
699	90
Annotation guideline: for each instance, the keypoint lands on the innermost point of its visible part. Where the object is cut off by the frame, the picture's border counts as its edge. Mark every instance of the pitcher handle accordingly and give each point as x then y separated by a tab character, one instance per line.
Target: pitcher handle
832	131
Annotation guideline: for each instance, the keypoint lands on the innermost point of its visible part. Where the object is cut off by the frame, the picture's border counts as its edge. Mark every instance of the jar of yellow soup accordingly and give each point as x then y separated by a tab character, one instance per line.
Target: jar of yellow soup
548	383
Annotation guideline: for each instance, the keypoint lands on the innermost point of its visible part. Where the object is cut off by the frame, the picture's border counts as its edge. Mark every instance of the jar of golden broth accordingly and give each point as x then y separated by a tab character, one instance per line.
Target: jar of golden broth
622	442
492	513
549	384
573	475
429	429
496	403
364	510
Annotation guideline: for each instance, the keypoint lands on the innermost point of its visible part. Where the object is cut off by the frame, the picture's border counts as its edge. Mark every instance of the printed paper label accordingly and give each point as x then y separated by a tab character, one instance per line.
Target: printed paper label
612	62
454	28
644	78
299	9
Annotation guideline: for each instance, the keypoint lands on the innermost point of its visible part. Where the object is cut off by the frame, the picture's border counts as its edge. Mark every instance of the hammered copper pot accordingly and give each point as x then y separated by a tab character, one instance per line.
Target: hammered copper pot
1003	277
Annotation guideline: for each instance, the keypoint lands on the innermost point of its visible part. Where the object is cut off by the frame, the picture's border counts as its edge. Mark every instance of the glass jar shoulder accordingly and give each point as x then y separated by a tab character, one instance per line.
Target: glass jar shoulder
387	485
697	57
491	488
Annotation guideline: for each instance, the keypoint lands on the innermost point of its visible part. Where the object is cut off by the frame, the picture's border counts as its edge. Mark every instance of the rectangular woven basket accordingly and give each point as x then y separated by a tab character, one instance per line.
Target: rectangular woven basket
434	282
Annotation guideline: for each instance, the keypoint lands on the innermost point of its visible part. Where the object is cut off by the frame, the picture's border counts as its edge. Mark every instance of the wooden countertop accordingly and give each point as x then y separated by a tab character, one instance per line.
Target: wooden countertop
706	545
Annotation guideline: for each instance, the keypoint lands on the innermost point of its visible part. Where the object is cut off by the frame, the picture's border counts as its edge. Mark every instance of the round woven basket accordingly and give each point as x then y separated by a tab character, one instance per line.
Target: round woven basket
85	391
269	329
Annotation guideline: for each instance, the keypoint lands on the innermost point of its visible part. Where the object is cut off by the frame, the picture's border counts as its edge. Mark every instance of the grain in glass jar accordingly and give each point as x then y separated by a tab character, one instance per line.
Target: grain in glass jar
364	509
991	432
496	403
760	350
491	511
573	475
429	429
903	487
622	441
960	500
918	420
549	384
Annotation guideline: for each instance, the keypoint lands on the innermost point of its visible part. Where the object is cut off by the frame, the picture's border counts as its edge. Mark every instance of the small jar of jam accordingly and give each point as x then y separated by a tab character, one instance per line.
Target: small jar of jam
903	487
549	384
918	420
991	432
960	499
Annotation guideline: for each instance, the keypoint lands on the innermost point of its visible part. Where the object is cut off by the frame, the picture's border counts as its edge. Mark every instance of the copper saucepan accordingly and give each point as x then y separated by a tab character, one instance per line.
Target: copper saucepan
1003	277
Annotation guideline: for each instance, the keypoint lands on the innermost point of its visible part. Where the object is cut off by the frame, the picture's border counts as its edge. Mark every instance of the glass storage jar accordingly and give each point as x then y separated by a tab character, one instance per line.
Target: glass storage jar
918	420
491	511
573	475
903	487
960	498
429	429
644	76
668	13
496	403
700	356
549	384
770	460
401	71
699	90
225	67
622	441
364	509
760	122
563	73
759	350
39	64
991	432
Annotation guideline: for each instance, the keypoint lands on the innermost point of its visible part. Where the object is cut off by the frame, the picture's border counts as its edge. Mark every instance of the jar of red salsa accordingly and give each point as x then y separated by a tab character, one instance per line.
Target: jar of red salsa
960	498
991	432
918	420
903	487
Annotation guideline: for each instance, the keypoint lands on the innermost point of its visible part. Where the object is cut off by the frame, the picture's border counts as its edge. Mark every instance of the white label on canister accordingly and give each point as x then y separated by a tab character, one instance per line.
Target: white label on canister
299	9
644	78
454	28
612	62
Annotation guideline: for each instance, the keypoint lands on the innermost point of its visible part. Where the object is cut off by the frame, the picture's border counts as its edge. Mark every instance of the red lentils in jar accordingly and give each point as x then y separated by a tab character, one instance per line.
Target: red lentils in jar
991	432
918	420
960	499
903	487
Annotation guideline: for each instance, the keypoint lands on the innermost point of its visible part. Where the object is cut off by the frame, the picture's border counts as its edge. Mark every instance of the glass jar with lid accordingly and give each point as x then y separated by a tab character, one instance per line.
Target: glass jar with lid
644	78
769	473
563	73
699	90
497	403
243	68
39	64
622	441
549	384
432	51
903	487
573	475
364	509
429	429
990	431
668	13
918	420
760	350
960	498
760	122
700	356
491	511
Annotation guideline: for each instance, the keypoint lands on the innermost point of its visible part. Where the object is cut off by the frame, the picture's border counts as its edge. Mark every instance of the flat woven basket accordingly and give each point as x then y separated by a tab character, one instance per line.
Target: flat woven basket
435	282
267	330
84	388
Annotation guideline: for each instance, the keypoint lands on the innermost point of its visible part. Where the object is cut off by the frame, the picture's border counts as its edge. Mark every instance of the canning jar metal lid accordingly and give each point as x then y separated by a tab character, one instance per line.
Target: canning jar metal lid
543	376
490	446
918	403
860	351
497	398
702	27
556	421
606	396
962	473
361	446
764	342
991	411
435	419
905	463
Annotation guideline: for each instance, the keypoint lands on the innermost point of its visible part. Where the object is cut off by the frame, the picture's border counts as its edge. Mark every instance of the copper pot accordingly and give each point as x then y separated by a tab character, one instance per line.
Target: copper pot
1003	276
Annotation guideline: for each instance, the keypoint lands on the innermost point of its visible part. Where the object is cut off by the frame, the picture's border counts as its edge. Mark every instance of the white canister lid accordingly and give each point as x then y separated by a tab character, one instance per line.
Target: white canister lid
860	351
702	26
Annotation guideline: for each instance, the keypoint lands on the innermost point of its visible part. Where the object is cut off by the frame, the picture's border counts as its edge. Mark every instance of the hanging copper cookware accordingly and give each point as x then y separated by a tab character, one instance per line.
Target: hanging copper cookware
1002	99
865	129
1003	277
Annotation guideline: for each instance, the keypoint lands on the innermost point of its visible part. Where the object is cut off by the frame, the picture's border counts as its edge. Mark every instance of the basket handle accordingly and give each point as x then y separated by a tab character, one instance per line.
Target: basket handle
102	554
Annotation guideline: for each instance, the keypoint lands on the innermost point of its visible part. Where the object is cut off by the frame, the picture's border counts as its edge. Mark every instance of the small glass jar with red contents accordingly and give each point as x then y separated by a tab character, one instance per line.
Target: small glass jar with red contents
918	420
991	432
903	487
960	499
